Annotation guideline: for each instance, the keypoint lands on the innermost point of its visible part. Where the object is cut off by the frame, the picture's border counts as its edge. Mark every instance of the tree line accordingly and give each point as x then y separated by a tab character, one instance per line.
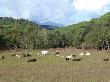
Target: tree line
25	34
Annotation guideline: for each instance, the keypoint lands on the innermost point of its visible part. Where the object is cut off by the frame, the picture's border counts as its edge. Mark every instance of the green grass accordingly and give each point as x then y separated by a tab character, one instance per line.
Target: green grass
55	69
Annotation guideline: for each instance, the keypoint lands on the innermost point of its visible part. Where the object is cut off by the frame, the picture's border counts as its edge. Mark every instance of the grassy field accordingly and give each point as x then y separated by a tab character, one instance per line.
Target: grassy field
52	68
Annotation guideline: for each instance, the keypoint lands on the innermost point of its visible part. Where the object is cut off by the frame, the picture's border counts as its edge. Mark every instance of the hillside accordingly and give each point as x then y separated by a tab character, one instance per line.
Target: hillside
21	33
92	34
18	33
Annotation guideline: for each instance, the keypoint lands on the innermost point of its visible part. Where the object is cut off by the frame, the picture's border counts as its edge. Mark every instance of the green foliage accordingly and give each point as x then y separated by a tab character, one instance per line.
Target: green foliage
21	33
17	33
92	34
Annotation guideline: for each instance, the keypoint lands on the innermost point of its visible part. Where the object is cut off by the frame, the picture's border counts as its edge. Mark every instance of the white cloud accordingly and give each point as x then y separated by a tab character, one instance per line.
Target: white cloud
14	8
58	11
42	10
51	10
90	5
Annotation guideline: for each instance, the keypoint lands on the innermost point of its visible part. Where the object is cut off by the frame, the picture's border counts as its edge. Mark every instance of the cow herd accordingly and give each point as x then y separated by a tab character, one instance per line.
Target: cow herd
72	57
28	56
76	57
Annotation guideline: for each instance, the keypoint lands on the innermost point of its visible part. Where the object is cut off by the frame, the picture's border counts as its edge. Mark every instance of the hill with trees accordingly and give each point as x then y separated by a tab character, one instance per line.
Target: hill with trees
92	34
21	33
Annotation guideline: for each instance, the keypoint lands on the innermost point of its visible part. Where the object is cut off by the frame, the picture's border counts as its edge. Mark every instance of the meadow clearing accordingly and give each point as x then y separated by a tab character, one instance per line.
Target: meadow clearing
52	68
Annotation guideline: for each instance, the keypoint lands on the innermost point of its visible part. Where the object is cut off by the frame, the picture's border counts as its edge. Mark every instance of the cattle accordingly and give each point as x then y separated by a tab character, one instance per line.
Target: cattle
74	55
13	55
44	52
88	53
32	60
24	55
77	59
18	56
106	59
81	54
28	54
2	57
68	57
57	53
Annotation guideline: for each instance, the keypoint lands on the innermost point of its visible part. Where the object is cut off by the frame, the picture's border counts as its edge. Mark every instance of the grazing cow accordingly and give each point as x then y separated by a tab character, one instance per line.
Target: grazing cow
88	53
81	54
28	54
2	57
74	55
68	57
13	55
18	56
106	59
78	59
32	60
57	53
44	52
24	55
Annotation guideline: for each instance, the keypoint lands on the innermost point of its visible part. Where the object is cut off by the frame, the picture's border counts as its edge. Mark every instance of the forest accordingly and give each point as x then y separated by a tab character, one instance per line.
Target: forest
24	34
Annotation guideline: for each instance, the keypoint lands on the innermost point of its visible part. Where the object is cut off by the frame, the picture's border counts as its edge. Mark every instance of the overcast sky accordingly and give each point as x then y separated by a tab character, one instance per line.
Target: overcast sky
58	11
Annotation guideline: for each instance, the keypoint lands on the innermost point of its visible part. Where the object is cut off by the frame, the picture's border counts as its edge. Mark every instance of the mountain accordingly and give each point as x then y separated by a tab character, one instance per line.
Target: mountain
49	25
52	24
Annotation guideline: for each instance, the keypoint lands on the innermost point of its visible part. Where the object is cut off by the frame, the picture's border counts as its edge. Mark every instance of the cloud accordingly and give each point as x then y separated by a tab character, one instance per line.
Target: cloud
42	10
90	5
57	11
52	10
87	9
15	8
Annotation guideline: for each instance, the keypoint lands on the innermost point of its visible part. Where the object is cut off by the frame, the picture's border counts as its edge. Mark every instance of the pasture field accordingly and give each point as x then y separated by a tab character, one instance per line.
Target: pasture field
52	68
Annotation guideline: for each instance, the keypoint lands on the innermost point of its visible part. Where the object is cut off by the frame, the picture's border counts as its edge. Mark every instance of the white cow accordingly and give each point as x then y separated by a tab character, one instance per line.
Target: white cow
18	56
88	53
58	55
44	52
69	56
81	54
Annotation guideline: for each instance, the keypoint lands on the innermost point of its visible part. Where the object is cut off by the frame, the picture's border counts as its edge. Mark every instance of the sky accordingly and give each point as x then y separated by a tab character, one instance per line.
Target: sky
63	12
